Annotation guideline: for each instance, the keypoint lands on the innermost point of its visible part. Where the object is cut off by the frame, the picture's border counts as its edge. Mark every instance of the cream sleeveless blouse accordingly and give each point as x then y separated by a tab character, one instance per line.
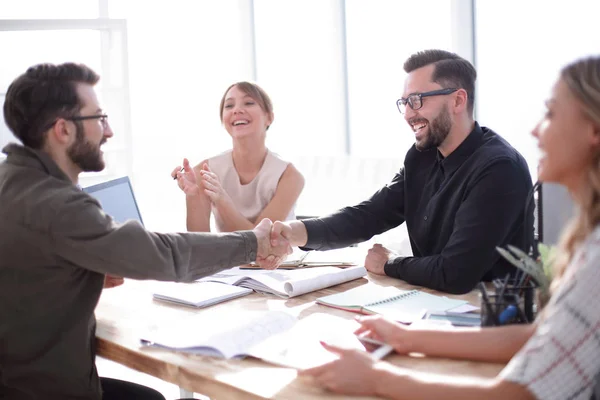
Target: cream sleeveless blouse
252	198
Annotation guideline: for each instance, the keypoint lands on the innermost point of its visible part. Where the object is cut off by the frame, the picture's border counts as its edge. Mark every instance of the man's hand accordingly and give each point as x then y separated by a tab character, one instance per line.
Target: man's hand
292	231
281	232
270	255
376	259
111	281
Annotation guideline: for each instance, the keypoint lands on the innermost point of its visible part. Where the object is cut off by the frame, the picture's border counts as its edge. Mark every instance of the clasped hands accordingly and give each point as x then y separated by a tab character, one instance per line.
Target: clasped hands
187	180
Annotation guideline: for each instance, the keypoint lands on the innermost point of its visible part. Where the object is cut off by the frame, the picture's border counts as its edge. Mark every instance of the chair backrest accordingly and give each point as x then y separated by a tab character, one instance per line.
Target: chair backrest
555	208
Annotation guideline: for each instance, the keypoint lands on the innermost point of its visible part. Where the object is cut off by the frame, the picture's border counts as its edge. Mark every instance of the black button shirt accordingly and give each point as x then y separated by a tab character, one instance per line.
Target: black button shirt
457	210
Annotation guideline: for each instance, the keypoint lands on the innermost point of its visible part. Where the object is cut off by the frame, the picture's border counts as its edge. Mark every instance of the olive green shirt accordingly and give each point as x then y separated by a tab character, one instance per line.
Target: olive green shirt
56	245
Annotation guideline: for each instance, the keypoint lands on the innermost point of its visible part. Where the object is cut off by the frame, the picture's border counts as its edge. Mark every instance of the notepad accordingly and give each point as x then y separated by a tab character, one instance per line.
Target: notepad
401	305
198	294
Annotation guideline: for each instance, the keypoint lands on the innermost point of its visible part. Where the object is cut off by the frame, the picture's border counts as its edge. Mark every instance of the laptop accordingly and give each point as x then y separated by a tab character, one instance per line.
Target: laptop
117	199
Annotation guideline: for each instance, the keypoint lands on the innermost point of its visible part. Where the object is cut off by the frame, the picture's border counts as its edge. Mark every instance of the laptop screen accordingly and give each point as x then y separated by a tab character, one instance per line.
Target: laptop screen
117	199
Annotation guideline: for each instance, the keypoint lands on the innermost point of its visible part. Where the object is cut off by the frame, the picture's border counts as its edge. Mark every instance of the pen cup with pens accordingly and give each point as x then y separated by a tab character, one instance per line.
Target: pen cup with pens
511	302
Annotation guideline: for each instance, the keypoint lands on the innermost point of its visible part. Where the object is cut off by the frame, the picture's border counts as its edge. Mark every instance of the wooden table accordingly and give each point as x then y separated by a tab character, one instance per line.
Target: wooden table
126	313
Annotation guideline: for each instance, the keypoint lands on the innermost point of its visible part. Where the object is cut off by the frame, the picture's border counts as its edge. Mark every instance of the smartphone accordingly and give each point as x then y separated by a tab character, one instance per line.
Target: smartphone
381	349
455	319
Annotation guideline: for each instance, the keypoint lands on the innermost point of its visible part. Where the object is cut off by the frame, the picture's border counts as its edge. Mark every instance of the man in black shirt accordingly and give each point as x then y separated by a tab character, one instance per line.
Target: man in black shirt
462	190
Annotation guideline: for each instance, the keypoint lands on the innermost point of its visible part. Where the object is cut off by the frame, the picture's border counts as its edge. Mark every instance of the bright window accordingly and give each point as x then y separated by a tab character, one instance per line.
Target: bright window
381	36
521	46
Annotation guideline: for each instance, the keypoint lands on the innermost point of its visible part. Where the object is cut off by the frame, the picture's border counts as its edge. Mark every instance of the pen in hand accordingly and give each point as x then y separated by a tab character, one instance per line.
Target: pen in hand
181	170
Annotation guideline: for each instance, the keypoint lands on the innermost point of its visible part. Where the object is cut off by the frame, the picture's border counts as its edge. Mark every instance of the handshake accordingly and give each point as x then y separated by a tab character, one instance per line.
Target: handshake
274	243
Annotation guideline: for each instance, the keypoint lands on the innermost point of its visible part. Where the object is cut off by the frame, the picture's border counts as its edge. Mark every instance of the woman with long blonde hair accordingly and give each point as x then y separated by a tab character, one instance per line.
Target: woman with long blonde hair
558	356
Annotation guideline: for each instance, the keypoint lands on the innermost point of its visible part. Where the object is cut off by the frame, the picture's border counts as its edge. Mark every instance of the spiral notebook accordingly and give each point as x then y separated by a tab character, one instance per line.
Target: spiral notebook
401	305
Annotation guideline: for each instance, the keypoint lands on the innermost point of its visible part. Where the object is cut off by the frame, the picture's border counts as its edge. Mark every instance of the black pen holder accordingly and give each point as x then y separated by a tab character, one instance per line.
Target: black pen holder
511	305
526	293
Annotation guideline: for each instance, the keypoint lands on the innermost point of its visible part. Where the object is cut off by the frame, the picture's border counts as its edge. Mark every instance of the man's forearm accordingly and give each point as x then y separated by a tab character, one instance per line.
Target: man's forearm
435	272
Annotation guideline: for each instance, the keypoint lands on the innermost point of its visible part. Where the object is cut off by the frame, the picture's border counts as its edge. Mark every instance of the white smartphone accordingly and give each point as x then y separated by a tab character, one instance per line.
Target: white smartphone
456	319
381	351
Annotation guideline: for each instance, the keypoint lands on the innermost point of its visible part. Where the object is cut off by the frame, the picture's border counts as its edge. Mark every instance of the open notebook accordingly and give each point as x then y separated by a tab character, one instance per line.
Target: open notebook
288	283
198	294
401	305
274	336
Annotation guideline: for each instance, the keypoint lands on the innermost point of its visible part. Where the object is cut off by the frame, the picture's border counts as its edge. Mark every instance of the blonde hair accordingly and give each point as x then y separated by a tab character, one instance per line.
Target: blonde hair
583	80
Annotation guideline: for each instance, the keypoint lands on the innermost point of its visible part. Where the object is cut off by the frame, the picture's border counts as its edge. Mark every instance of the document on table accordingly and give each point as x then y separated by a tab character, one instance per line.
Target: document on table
287	283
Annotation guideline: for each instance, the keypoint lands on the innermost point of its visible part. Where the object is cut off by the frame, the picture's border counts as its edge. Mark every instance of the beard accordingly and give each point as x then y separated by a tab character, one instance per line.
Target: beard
84	153
439	129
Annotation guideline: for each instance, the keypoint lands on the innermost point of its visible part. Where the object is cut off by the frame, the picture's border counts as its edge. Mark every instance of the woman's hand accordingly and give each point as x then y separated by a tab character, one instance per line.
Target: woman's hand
186	179
386	331
353	373
212	187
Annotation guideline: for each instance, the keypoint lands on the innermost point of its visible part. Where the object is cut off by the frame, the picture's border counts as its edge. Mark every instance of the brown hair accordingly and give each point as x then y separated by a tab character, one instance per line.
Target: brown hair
583	80
254	91
451	71
42	94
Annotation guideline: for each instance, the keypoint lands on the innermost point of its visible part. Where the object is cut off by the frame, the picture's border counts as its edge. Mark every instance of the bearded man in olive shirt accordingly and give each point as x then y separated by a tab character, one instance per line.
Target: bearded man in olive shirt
57	245
462	190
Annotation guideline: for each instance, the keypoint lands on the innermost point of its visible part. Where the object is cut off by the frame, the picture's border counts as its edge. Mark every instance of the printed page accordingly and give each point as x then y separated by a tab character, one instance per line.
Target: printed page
234	337
300	346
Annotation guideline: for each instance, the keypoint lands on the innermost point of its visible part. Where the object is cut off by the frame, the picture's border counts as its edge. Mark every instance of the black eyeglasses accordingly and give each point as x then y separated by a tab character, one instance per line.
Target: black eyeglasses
415	100
102	117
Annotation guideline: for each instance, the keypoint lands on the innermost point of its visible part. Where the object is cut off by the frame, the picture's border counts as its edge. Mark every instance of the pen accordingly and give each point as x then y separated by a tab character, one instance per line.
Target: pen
508	314
488	305
503	288
181	170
